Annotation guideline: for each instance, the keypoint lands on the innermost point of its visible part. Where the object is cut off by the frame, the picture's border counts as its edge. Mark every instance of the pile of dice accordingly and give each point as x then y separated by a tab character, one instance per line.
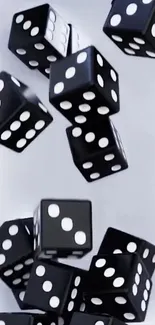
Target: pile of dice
117	284
83	86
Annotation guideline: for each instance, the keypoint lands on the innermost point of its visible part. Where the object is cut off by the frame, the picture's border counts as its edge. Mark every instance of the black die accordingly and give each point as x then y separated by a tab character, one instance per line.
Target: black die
132	26
16	254
117	242
16	318
119	285
97	149
38	37
22	115
63	228
80	318
84	85
54	287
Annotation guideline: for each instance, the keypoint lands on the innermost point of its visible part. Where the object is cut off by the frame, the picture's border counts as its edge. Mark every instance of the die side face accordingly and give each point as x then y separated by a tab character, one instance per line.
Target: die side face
19	294
95	150
78	40
116	241
27	117
130	17
57	32
69	220
10	101
15	268
107	83
9	318
87	76
127	27
79	318
50	282
28	27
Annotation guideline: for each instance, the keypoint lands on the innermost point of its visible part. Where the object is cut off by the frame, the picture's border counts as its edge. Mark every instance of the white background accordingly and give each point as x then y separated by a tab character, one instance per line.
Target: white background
45	169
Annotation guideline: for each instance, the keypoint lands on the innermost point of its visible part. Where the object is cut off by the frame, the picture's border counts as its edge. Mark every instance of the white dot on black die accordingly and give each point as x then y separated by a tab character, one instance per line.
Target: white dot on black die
15	125
53	210
8	273
24	116
100	80
89	95
146	253
134	290
129	51
77	281
120	300
115	20
70	305
66	105
40	270
87	165
2	259
34	31
47	286
129	316
30	134
17	281
39	46
70	73
100	262
131	9
33	63
139	268
54	302
84	108
18	267
76	132
103	142
148	285
114	95
39	125
82	57
21	51
19	19
96	301
67	224
109	157
21	143
113	75
80	119
94	175
143	305
108	273
118	282
7	244
99	322
51	58
90	137
22	295
13	230
99	60
74	293
117	38
131	247
27	24
134	46
80	237
139	40
103	110
5	135
59	87
1	85
151	54
145	295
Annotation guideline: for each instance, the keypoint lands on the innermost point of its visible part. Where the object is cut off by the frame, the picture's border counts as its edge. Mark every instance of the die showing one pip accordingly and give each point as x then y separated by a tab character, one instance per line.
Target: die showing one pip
16	253
116	242
119	285
84	318
97	149
54	287
84	85
38	37
63	228
22	115
131	25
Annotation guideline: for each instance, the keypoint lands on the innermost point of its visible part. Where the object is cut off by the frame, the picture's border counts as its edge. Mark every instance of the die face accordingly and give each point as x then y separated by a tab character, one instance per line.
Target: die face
10	100
26	121
107	83
28	27
129	17
112	273
57	32
52	284
69	222
9	318
80	318
81	76
14	239
96	150
116	241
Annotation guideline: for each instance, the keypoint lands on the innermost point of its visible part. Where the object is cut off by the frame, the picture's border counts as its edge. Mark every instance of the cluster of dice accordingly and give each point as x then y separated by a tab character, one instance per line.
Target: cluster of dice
84	87
117	284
